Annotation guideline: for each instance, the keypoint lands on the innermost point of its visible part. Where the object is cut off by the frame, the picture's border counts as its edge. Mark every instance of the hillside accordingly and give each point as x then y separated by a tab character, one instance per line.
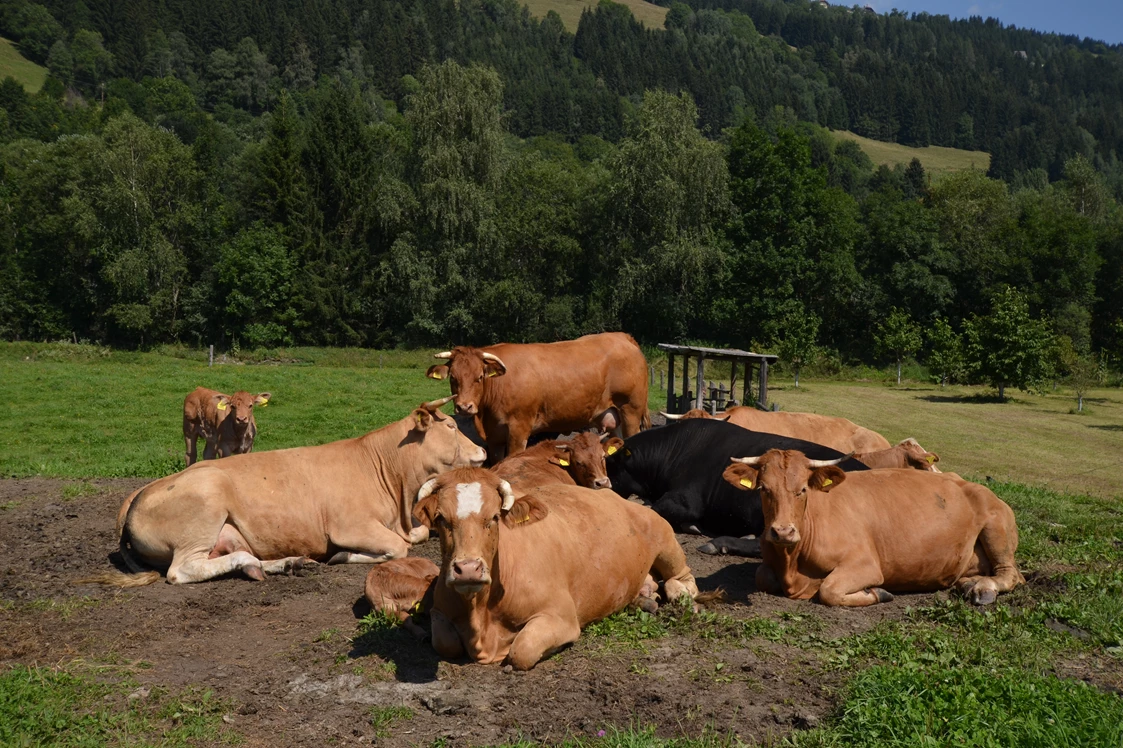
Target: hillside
649	14
13	64
937	160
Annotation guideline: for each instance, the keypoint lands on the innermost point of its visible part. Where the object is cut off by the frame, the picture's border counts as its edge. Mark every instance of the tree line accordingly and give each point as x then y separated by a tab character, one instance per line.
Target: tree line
233	199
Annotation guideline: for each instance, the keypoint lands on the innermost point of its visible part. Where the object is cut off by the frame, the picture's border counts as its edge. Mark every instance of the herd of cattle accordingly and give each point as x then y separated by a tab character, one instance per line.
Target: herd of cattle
545	541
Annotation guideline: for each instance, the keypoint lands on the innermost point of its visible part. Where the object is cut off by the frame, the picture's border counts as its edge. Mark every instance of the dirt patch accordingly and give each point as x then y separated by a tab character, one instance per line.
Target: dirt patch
282	653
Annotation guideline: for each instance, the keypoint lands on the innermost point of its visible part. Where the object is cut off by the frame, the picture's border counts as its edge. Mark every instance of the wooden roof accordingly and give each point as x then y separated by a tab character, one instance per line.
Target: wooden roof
732	354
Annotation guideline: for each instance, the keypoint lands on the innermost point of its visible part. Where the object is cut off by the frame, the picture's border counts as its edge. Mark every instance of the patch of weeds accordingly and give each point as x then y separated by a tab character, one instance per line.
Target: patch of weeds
73	491
377	626
8	505
1091	603
65	607
383	718
637	737
628	627
326	635
892	706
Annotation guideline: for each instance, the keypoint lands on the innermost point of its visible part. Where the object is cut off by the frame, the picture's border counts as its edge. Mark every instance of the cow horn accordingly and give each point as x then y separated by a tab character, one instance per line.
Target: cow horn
561	446
492	357
426	489
507	494
671	416
444	355
828	463
747	460
434	404
605	435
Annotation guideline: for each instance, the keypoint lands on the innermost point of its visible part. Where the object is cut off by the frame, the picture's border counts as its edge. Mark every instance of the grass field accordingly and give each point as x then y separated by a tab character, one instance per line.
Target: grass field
649	14
26	72
937	160
1043	667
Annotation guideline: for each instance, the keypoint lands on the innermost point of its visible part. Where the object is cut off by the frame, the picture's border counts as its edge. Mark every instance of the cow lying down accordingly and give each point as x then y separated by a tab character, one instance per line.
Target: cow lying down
575	461
520	577
852	538
401	587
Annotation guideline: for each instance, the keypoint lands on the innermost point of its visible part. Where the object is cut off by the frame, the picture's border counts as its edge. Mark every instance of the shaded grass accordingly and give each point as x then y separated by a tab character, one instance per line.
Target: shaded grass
26	72
649	14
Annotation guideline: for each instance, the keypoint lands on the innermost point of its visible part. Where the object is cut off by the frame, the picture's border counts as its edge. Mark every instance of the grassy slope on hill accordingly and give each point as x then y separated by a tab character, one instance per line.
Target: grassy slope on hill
26	72
570	11
937	160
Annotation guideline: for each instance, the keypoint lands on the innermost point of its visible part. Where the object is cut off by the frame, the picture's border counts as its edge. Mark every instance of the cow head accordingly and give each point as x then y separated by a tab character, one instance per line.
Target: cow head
466	370
584	457
784	479
466	507
917	457
239	407
442	446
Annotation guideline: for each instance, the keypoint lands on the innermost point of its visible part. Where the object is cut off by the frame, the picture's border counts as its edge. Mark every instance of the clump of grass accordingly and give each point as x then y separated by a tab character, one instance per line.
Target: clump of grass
383	718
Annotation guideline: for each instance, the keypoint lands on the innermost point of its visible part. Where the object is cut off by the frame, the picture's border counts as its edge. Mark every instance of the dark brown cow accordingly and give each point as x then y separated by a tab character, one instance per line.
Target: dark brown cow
577	461
520	577
515	390
878	531
401	587
906	454
830	431
344	502
225	422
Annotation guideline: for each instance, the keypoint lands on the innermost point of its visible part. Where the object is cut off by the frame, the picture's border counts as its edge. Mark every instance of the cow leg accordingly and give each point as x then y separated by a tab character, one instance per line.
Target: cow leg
191	454
196	567
289	565
853	587
670	565
679	509
371	544
541	636
631	420
747	546
766	580
998	540
446	641
210	450
517	437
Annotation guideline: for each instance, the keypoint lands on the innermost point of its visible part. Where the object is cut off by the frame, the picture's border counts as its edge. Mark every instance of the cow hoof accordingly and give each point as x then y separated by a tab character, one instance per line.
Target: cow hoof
692	530
647	605
883	596
710	549
340	558
255	572
294	565
985	596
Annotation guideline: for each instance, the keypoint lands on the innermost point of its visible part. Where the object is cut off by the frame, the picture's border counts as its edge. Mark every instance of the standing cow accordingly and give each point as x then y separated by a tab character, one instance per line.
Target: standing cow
520	577
876	532
514	390
345	502
830	431
225	422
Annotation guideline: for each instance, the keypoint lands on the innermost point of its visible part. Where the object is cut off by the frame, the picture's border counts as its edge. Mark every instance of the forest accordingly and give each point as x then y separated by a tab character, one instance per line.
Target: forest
393	173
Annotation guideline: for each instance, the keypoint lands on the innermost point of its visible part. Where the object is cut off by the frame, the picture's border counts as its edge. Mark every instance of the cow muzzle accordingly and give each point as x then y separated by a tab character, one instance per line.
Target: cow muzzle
468	576
602	483
478	457
785	535
466	409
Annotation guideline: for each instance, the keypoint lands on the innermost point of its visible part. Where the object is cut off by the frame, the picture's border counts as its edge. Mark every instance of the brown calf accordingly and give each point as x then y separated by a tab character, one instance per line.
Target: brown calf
225	422
401	587
577	461
907	454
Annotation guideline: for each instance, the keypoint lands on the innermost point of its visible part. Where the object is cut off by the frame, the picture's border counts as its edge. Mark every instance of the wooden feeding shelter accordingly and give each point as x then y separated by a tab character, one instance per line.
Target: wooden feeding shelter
713	397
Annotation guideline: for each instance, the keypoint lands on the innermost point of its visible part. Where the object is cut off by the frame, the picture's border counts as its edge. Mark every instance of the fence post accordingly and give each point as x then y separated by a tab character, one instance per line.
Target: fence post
660	379
211	361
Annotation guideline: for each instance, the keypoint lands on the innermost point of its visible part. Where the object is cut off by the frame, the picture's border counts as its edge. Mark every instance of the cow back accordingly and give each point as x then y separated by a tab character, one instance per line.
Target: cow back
830	431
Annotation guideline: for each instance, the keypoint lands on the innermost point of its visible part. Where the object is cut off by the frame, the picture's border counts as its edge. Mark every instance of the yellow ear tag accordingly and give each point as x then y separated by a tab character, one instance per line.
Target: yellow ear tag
627	453
563	463
222	405
827	482
931	459
611	450
493	373
416	607
746	483
434	375
264	403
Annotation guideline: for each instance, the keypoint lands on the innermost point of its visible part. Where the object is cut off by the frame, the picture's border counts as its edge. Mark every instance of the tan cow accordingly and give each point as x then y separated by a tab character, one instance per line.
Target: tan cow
225	422
520	577
577	461
906	454
347	502
514	390
830	431
853	537
401	587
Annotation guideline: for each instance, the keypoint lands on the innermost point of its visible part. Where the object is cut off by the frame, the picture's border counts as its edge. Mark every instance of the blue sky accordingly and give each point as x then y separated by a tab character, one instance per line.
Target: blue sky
1099	19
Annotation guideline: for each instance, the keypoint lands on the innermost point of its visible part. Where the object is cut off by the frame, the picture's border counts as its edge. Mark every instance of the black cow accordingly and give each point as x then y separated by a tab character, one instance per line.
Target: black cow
678	470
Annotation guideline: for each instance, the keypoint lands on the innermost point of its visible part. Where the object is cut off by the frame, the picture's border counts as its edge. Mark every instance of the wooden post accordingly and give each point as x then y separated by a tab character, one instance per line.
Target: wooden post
211	362
650	376
732	381
701	384
660	379
670	382
762	386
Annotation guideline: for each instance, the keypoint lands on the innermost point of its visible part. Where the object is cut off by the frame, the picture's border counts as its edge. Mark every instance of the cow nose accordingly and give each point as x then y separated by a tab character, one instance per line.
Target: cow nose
784	534
468	571
466	409
602	483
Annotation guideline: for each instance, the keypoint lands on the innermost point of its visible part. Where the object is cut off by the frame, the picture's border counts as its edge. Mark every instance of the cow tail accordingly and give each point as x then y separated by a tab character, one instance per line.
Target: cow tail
139	577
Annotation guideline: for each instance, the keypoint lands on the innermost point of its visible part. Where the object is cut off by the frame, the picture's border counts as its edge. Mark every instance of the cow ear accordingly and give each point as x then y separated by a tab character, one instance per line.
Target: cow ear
422	419
613	445
425	511
437	371
741	476
525	511
262	399
931	458
562	457
725	417
222	402
494	369
826	478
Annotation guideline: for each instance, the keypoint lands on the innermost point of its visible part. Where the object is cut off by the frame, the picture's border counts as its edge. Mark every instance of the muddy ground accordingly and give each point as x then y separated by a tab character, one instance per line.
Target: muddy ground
280	652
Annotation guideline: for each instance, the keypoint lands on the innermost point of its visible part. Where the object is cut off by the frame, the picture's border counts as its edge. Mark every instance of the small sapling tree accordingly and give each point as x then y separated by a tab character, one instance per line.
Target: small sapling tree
797	345
1008	348
898	336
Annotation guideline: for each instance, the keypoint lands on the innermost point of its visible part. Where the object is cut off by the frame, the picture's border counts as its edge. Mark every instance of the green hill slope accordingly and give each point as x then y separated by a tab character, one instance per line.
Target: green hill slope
937	160
13	64
649	14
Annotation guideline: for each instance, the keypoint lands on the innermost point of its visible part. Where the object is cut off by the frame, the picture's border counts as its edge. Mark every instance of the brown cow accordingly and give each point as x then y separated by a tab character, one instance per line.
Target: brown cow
521	577
225	422
348	501
906	454
515	390
837	433
878	531
577	461
401	587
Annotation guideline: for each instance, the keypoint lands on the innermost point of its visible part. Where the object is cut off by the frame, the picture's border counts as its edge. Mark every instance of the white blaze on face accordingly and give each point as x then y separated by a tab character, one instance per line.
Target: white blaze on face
469	500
